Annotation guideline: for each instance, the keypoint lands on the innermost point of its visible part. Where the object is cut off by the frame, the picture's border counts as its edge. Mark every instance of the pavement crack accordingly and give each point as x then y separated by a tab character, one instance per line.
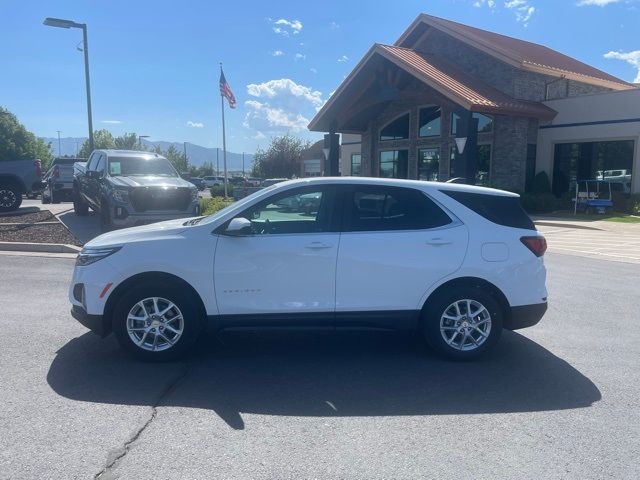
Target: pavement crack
118	453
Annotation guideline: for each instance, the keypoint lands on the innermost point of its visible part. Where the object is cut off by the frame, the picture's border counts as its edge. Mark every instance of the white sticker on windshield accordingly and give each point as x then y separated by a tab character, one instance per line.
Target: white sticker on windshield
114	168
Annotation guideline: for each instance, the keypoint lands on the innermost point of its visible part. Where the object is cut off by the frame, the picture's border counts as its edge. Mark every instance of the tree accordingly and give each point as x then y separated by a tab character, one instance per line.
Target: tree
177	159
128	141
17	143
281	159
102	139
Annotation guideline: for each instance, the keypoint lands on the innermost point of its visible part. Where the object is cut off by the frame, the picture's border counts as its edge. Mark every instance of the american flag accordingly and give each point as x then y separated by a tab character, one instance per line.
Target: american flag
225	90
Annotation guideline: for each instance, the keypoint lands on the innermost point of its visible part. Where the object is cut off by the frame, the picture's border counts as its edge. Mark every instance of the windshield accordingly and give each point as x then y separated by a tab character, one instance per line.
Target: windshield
141	166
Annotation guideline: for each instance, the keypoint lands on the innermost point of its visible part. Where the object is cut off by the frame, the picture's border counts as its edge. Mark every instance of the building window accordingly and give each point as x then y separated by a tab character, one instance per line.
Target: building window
485	123
356	164
394	163
483	165
396	130
429	122
428	164
609	161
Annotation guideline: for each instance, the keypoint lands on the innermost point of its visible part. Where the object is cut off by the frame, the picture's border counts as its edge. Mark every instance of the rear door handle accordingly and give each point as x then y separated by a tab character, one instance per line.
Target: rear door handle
318	245
437	241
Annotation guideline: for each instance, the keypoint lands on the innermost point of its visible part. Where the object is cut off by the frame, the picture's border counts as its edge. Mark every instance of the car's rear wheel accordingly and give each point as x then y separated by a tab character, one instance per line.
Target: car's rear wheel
463	323
10	198
157	322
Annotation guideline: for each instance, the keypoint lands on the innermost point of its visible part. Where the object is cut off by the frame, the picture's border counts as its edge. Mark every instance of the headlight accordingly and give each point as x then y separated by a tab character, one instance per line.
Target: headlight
194	194
87	256
120	195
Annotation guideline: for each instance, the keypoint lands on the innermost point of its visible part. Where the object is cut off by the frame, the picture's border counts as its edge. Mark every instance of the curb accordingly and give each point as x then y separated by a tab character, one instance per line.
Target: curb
38	247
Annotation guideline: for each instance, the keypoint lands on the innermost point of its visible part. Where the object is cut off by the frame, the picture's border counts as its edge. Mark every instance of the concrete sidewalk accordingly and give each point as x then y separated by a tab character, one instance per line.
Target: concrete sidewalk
83	228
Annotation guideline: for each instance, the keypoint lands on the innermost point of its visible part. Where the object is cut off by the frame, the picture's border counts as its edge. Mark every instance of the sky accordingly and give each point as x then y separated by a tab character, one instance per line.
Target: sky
155	64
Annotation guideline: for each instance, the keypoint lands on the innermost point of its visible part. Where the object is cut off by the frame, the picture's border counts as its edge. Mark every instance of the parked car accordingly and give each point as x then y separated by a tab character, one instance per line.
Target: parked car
213	181
198	182
272	181
58	180
254	182
18	177
456	263
132	188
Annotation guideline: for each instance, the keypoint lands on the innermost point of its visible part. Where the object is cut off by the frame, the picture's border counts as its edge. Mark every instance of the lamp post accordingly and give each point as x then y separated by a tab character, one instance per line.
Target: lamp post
59	149
140	137
60	23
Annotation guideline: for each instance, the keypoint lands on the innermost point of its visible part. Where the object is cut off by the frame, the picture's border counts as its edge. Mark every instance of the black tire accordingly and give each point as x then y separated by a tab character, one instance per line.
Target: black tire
185	302
80	207
434	311
106	223
10	197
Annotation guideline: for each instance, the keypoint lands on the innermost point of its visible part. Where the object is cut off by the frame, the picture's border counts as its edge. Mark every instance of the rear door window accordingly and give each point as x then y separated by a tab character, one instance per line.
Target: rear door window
498	209
381	208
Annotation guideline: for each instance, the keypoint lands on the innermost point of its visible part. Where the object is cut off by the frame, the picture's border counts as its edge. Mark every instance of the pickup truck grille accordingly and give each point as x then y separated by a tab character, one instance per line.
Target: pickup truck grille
151	198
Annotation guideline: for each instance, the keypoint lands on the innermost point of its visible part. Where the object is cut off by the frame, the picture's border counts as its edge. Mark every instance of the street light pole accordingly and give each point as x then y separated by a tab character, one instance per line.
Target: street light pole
184	147
61	23
59	150
243	164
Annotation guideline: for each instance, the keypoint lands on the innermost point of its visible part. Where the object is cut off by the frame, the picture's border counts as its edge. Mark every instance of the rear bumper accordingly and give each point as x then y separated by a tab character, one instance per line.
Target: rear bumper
95	323
524	316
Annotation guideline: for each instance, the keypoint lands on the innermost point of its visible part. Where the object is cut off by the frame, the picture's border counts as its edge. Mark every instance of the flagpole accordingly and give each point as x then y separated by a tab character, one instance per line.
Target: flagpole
224	142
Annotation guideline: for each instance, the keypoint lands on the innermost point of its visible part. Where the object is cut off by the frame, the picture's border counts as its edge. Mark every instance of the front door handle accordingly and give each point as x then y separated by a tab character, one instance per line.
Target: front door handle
437	241
318	245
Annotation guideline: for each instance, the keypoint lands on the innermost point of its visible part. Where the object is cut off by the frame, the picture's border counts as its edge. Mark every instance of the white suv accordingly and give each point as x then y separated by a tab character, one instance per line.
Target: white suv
454	262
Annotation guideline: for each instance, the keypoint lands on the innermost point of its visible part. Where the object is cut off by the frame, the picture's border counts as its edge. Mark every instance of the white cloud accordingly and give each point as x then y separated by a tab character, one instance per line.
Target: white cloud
300	56
522	9
195	124
286	88
334	25
277	53
112	122
259	135
280	106
285	27
597	3
313	70
632	58
489	3
343	59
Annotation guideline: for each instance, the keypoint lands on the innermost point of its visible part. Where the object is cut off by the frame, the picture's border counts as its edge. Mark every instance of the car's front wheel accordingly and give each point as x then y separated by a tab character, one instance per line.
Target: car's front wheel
463	323
10	198
157	322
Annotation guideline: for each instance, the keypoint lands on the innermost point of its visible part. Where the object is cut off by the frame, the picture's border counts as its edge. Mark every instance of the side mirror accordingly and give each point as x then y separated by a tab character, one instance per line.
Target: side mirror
238	227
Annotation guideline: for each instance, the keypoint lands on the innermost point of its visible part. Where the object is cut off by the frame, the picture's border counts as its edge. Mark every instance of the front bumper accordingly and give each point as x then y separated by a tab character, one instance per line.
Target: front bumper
524	316
96	323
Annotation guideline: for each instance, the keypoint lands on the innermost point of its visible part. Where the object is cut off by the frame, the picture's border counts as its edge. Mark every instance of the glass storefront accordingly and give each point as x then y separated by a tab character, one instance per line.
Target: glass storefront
485	123
394	164
396	130
429	122
610	161
428	164
356	164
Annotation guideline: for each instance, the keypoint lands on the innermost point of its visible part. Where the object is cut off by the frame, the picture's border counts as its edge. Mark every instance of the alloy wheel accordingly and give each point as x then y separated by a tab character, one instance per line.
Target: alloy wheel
465	324
155	324
7	198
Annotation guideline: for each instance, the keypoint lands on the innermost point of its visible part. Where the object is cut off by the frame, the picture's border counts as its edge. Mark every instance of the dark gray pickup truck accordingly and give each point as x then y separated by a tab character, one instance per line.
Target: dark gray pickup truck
131	188
18	177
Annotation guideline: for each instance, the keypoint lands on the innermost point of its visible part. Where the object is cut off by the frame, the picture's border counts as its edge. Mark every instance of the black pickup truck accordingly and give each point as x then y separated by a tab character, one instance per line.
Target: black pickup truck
18	177
131	188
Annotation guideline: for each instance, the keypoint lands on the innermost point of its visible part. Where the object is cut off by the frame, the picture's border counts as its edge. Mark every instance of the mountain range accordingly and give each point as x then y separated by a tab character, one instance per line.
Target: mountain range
197	154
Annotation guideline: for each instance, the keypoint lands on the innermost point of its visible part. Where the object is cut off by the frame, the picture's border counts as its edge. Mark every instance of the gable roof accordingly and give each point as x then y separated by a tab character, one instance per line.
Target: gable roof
461	88
518	53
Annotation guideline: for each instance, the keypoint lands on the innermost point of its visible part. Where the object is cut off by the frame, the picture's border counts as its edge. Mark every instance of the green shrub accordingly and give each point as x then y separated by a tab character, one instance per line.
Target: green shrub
621	202
538	202
633	204
209	206
218	190
541	183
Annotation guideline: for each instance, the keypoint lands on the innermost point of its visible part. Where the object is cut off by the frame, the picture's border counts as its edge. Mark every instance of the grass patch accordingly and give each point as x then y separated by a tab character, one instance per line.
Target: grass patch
209	206
615	217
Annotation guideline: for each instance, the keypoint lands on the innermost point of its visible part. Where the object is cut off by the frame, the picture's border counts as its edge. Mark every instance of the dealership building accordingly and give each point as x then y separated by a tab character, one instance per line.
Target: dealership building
449	100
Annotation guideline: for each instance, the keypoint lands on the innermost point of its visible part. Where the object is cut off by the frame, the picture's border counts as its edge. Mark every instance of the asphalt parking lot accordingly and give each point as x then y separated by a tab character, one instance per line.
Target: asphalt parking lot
559	400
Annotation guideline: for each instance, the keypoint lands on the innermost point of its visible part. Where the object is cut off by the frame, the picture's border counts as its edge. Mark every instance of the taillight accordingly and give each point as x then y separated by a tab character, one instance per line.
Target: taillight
38	168
537	244
56	172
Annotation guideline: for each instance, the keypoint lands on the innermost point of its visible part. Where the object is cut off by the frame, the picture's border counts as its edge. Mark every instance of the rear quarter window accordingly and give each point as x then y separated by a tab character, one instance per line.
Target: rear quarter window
498	209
